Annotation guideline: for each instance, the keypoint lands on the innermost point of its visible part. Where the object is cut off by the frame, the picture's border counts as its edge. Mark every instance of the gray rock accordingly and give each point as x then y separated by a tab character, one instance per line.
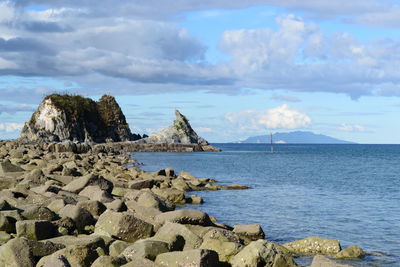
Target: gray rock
79	184
314	245
38	213
74	255
142	262
94	192
262	253
351	252
16	253
7	224
35	229
170	230
249	232
80	216
146	248
185	216
195	257
7	167
116	205
94	207
108	261
123	225
117	247
321	261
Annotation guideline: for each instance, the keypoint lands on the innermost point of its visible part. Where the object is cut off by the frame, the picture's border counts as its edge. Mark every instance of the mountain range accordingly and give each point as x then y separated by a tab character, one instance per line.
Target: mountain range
297	137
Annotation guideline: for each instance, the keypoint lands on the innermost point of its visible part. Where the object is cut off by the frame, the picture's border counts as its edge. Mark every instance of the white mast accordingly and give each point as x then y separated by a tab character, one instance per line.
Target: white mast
272	143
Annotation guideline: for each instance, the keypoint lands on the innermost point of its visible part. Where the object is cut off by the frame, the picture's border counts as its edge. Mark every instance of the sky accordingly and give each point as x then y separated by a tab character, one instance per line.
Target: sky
234	68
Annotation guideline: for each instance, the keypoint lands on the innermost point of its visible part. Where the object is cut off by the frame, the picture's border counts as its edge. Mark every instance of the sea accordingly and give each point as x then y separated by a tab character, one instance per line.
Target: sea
350	193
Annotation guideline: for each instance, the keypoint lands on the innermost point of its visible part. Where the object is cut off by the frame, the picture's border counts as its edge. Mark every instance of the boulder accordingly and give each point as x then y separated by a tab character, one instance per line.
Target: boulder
117	247
80	216
35	229
321	261
224	242
195	200
7	224
94	192
195	257
16	253
7	167
142	262
56	205
116	205
74	255
314	245
146	248
169	230
79	184
174	195
108	261
185	216
262	253
249	232
94	207
351	252
89	241
38	213
43	248
123	225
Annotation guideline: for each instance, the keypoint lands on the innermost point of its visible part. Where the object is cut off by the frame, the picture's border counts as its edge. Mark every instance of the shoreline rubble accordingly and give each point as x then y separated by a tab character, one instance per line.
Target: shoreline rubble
67	204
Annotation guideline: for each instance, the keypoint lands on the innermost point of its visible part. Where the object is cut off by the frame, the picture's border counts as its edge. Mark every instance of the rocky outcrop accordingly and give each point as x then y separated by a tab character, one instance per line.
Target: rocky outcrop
180	132
76	118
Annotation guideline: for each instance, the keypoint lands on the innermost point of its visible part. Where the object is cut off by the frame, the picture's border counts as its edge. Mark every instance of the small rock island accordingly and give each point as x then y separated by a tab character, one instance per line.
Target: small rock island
73	118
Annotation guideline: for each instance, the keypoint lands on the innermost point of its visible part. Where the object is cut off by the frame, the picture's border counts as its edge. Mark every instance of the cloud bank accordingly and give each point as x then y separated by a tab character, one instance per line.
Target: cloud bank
281	117
136	47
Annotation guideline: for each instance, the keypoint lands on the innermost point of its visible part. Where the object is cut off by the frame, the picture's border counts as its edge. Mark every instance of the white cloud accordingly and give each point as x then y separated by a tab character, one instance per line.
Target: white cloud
135	48
281	117
351	128
10	127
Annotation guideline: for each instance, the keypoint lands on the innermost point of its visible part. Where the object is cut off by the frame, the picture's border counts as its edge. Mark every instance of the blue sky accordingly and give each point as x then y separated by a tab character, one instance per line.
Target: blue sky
235	69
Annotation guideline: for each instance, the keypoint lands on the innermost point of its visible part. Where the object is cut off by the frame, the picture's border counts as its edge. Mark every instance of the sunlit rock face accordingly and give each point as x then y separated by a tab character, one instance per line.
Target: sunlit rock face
180	132
75	118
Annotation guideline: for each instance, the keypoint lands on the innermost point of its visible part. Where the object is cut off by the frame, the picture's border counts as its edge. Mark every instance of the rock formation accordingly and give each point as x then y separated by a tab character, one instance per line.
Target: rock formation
76	118
180	132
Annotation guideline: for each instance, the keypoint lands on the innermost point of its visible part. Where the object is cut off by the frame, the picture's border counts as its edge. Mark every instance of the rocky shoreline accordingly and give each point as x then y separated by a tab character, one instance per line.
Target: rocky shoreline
67	204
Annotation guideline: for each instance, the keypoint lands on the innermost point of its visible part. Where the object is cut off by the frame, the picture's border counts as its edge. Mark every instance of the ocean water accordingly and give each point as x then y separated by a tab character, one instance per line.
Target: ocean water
346	192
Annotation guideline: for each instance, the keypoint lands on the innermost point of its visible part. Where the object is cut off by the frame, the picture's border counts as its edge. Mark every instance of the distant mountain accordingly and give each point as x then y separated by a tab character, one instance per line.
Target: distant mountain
298	137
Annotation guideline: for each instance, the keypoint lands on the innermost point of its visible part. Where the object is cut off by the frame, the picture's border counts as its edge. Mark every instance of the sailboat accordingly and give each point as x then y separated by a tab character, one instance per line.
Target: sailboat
272	143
